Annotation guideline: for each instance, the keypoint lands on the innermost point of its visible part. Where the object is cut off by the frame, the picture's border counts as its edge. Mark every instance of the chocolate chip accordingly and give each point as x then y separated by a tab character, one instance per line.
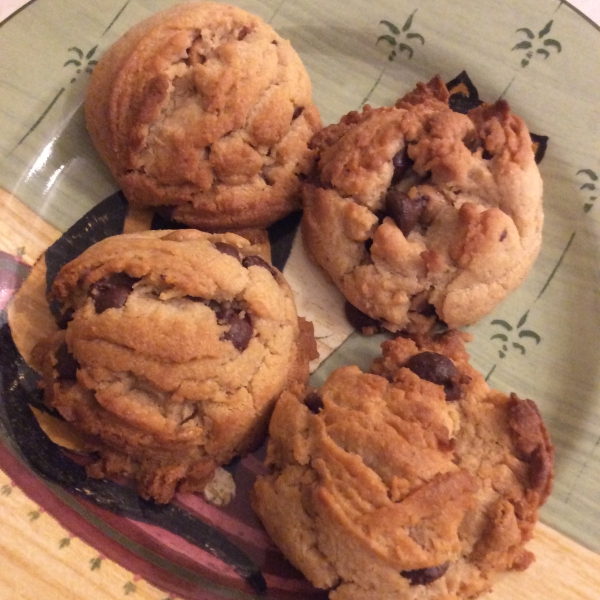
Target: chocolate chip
66	365
487	155
314	402
360	321
228	249
240	333
65	318
503	235
240	328
433	367
405	211
402	163
112	291
256	261
438	369
425	576
244	31
297	112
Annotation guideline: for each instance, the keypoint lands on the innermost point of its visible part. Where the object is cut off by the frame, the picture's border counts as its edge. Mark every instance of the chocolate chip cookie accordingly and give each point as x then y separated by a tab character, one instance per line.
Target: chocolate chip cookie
173	349
415	481
204	110
418	212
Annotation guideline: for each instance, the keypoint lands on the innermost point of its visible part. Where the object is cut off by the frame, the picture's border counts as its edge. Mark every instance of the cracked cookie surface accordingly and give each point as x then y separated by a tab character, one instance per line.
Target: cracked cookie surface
204	109
413	482
174	347
417	212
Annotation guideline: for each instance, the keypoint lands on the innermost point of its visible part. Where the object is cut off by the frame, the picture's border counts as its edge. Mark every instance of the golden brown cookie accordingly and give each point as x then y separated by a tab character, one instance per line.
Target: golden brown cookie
416	211
175	346
204	109
414	482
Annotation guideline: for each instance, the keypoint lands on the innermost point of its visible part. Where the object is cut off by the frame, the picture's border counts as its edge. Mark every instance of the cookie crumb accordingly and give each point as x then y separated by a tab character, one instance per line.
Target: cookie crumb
220	490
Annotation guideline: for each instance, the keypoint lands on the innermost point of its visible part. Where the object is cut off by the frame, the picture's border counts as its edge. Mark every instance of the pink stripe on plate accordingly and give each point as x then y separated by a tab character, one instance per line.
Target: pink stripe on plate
226	523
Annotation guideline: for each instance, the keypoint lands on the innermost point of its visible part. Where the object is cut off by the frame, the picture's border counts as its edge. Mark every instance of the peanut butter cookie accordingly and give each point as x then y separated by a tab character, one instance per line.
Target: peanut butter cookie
174	348
204	110
414	482
417	212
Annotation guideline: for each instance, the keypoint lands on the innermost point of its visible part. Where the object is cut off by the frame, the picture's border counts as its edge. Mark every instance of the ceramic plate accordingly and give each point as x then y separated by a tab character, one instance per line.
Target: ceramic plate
542	342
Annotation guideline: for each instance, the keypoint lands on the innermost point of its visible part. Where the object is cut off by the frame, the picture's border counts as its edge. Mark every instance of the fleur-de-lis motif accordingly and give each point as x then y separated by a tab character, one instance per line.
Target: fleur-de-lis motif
397	46
129	588
528	45
6	489
96	563
82	61
78	62
589	185
64	542
34	515
522	334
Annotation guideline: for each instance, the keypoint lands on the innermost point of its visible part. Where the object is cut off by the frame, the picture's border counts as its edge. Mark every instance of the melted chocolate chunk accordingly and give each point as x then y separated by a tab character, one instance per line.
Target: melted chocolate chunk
256	261
297	112
228	249
425	576
360	321
402	163
405	211
66	365
112	291
244	31
240	328
314	403
438	369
